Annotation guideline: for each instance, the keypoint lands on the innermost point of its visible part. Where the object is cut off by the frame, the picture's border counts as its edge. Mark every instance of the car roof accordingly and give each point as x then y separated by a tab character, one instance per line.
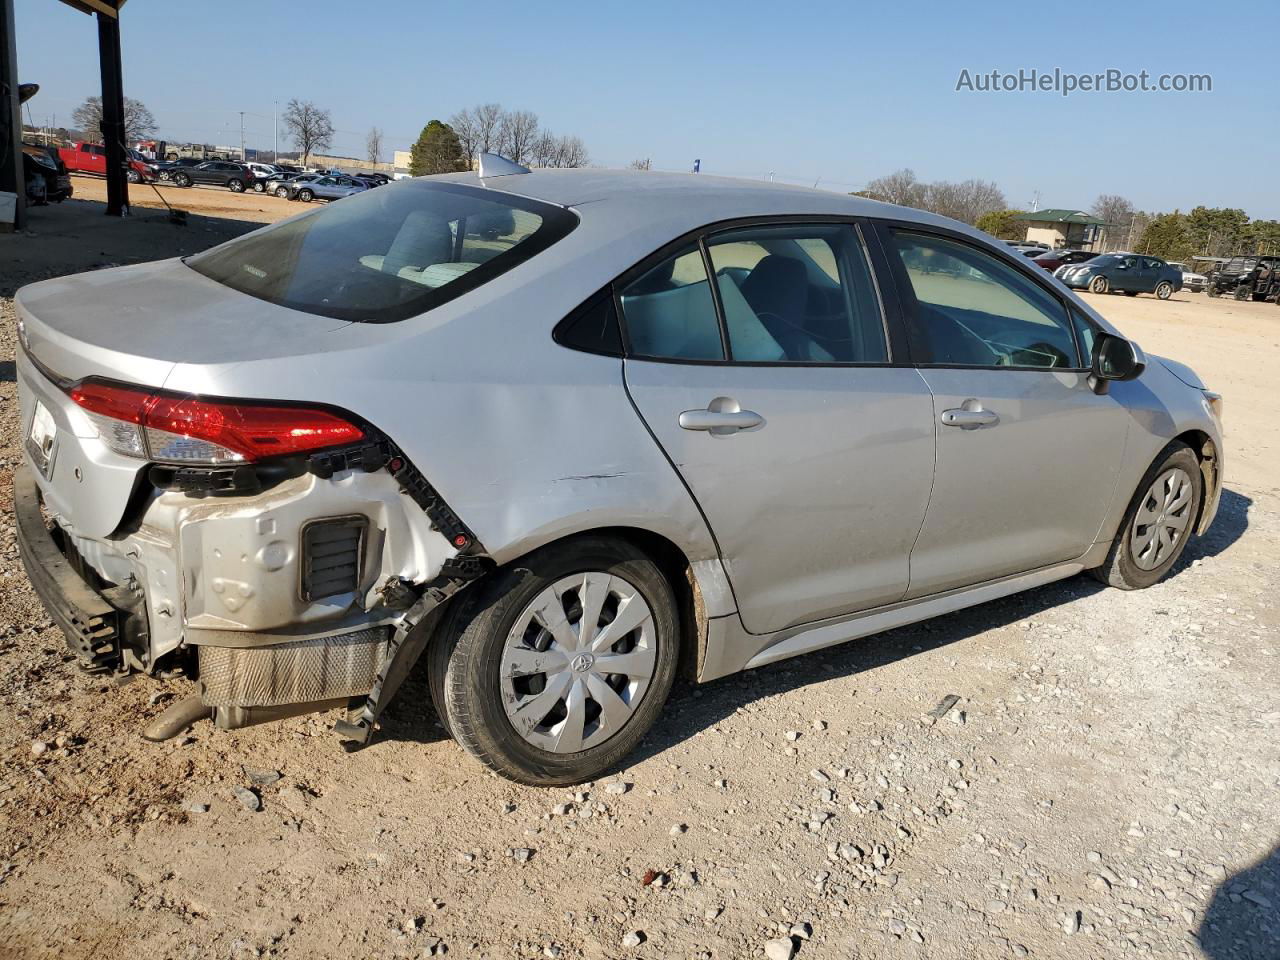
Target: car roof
681	202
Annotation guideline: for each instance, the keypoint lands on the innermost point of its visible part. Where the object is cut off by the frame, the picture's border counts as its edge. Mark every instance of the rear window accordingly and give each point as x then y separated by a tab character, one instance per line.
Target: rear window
388	254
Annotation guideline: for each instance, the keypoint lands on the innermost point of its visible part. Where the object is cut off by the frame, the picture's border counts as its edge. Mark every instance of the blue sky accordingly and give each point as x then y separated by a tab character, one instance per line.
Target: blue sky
841	91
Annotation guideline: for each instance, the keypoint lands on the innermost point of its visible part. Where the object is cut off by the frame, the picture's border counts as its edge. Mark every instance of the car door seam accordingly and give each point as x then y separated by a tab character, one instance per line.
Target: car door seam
626	388
933	479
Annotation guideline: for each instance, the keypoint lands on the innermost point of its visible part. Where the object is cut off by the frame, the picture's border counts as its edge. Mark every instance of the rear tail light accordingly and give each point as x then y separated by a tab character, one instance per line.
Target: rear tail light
175	428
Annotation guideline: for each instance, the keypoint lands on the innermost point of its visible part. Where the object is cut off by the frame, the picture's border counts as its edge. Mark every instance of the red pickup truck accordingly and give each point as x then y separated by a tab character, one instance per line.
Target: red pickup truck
91	158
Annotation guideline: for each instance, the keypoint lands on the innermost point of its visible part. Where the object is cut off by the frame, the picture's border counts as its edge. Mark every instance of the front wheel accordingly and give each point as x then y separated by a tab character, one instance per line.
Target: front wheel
235	186
134	176
282	192
1160	519
305	195
1164	290
182	180
259	187
1098	285
558	666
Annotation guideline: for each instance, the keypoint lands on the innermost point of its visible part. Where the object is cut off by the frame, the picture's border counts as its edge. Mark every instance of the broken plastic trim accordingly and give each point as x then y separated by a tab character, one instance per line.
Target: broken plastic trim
406	647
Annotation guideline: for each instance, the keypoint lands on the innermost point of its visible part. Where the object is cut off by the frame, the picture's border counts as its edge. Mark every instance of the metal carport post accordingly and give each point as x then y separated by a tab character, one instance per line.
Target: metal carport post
11	177
108	13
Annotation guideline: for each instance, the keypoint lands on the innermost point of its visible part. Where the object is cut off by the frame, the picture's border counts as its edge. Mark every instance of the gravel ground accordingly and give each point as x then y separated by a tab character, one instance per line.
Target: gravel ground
1105	784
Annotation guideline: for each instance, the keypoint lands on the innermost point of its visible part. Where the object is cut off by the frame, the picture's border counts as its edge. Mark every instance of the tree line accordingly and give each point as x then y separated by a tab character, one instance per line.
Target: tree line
489	128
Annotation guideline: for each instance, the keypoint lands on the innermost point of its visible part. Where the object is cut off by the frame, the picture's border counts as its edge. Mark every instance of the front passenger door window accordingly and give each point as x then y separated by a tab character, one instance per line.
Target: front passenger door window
972	310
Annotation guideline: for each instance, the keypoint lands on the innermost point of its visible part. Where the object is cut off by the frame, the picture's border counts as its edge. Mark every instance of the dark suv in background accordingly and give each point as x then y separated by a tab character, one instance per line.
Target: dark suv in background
218	173
1246	278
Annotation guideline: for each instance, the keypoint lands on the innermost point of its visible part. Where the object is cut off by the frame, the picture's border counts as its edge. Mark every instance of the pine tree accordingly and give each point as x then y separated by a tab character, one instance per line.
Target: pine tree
436	151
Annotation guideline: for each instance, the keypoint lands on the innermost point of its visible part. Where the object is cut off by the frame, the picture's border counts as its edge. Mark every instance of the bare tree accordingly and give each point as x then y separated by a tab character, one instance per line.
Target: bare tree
488	117
517	131
573	152
139	124
466	126
645	164
373	145
1118	213
965	201
900	187
309	127
543	150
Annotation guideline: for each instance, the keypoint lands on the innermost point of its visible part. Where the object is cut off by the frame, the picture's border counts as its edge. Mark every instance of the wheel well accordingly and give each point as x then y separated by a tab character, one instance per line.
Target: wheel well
1206	452
675	567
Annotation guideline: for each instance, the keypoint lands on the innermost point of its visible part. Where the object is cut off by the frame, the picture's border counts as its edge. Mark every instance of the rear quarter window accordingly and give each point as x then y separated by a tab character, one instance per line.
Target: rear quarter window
381	256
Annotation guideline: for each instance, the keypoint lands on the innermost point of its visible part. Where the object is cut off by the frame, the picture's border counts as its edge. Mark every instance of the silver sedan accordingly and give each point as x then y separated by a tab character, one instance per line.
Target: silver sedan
325	188
568	434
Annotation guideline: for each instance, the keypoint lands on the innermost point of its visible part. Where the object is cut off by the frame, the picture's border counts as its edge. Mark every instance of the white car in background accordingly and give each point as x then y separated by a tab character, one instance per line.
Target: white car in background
1195	282
262	173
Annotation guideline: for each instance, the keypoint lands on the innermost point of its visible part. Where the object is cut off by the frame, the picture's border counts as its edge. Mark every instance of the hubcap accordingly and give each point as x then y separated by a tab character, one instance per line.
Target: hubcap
578	661
1162	519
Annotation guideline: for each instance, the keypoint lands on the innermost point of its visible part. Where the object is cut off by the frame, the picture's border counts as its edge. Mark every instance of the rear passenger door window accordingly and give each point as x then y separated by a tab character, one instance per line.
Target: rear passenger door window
798	294
669	311
973	310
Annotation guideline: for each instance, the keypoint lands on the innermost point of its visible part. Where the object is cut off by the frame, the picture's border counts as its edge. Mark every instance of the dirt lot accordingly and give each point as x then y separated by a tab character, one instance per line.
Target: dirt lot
1107	785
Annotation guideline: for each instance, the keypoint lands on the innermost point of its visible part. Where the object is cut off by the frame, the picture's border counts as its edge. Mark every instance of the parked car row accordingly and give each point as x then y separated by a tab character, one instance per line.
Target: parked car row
286	182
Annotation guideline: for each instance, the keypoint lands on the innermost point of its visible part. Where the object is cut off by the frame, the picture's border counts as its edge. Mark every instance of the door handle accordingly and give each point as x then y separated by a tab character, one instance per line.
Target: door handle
722	416
969	416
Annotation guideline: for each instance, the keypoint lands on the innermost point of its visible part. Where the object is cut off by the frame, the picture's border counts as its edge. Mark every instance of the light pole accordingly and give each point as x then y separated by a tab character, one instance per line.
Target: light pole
242	156
275	144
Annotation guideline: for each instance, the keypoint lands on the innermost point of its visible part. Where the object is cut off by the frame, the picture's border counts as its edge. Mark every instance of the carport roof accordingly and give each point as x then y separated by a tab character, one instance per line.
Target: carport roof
1056	215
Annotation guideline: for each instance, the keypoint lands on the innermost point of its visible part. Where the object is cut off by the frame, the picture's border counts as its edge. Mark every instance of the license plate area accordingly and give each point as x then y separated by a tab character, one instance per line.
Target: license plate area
42	438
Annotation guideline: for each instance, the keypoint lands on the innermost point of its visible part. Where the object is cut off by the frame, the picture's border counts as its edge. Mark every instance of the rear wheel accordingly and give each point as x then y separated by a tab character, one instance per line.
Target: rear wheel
1164	290
1158	523
182	179
1098	285
282	192
134	176
259	187
235	186
559	665
305	195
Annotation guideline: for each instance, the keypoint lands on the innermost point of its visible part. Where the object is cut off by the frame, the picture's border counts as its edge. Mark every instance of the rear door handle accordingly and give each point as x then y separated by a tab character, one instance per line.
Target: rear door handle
969	416
722	416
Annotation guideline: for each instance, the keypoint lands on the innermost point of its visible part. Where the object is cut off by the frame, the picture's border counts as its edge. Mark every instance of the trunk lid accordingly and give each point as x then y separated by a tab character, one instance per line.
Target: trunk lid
134	325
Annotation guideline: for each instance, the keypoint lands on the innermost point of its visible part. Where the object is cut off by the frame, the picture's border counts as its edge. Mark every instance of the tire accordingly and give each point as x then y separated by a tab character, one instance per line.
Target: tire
305	195
182	179
259	187
1164	290
1133	569
235	186
1099	285
500	620
133	176
282	193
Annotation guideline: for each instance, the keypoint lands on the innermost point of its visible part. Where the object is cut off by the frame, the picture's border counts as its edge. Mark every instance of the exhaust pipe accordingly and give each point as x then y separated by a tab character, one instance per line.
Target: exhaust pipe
177	718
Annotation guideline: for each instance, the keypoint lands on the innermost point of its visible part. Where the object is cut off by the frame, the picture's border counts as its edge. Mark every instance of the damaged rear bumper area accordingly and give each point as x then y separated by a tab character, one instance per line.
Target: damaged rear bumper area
299	598
94	627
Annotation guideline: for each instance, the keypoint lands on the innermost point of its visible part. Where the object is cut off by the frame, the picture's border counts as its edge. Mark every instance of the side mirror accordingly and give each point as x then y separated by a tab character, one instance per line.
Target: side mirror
1114	358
